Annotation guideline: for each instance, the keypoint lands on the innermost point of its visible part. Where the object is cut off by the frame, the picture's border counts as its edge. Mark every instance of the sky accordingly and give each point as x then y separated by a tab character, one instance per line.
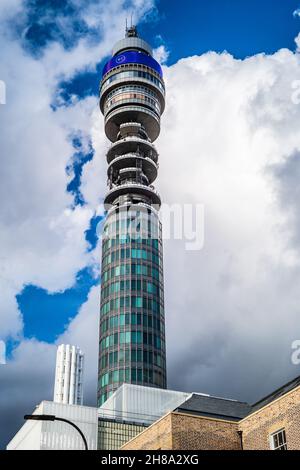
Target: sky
230	141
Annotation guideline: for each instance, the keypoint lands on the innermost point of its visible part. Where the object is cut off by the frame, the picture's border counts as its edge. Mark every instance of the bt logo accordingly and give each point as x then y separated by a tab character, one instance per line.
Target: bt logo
120	59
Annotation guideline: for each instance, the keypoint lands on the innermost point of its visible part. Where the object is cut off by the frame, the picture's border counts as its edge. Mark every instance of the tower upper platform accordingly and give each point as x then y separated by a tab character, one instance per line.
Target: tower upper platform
131	42
132	87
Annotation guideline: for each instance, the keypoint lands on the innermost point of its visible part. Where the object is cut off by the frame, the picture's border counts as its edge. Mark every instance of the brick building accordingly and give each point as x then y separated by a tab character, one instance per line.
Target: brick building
210	423
274	422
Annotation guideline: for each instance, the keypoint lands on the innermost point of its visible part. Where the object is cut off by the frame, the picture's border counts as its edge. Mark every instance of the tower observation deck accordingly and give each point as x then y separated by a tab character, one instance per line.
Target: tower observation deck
132	322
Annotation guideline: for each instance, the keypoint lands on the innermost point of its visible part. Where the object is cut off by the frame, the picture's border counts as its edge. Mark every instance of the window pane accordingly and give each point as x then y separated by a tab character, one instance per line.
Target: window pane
279	440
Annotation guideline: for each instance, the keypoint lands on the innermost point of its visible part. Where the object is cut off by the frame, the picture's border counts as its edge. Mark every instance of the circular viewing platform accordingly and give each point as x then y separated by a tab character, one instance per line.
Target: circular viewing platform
148	166
149	119
132	144
132	190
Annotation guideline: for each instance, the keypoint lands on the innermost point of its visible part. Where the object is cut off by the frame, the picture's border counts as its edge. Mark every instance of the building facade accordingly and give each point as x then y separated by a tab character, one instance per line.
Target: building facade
148	418
57	435
132	322
112	434
68	387
178	431
274	422
201	422
130	410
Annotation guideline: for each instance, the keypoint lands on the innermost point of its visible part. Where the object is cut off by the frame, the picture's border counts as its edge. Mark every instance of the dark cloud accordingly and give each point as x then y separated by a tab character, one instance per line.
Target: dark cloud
25	381
287	181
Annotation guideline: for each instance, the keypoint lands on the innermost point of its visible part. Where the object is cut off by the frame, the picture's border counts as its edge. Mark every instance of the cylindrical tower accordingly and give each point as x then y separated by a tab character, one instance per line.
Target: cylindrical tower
132	323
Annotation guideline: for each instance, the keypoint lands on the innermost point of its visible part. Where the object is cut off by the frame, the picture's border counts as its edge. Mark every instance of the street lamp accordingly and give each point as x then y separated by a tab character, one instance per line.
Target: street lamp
55	418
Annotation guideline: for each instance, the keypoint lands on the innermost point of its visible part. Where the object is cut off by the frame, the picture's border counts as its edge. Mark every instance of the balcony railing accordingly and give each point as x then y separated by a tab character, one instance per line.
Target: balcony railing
128	187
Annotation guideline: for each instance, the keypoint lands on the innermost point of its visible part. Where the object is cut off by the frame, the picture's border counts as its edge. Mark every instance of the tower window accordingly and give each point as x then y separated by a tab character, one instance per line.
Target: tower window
278	440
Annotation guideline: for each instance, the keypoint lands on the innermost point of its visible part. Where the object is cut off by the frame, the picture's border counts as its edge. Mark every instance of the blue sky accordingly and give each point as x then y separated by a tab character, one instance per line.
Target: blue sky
46	316
243	28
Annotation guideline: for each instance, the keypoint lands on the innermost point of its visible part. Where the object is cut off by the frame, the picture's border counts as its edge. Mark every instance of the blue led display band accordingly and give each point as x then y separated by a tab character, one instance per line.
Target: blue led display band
132	57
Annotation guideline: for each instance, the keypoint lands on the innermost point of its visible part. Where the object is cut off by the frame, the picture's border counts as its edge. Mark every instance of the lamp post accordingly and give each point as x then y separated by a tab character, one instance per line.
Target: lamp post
55	418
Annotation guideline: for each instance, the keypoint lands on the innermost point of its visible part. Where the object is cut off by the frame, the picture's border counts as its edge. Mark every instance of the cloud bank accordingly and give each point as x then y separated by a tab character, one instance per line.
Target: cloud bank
231	141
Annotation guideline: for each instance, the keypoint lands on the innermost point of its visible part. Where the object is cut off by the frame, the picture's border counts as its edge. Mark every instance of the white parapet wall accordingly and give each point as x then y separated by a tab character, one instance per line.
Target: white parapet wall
139	404
55	435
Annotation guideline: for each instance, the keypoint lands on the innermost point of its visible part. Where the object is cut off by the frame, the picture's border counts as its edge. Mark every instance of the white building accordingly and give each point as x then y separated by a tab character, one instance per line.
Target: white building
56	435
127	412
68	388
140	404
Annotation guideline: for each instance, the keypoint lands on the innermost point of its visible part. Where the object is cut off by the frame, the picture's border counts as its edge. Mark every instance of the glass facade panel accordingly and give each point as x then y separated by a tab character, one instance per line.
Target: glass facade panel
113	434
133	74
132	305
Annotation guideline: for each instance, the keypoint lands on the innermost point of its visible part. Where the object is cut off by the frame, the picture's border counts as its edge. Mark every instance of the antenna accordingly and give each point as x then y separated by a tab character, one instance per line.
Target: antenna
131	31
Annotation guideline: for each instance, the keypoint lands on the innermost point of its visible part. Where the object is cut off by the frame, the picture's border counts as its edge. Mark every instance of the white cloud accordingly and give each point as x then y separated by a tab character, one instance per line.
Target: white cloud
8	8
296	13
229	133
297	41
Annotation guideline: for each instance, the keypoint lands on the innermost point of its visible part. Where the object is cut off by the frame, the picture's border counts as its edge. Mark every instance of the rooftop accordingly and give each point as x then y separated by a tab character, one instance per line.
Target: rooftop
232	410
214	407
276	394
